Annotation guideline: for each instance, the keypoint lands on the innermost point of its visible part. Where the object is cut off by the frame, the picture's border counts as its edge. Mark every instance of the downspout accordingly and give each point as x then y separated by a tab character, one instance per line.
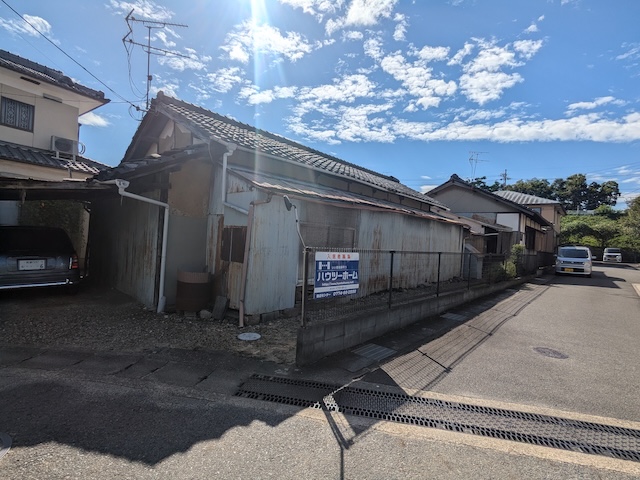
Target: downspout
231	147
122	185
247	249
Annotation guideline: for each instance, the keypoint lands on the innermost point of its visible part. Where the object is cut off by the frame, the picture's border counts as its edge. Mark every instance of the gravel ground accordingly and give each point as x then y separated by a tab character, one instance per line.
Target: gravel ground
107	320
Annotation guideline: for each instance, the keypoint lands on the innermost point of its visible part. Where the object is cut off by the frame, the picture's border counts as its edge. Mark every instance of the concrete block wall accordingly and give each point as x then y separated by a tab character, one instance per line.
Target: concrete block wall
321	340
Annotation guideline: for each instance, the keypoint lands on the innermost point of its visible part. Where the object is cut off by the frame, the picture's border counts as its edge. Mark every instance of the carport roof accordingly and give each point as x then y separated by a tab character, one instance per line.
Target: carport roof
28	189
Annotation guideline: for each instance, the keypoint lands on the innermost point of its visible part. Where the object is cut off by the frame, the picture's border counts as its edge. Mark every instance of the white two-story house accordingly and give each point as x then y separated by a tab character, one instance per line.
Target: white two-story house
39	132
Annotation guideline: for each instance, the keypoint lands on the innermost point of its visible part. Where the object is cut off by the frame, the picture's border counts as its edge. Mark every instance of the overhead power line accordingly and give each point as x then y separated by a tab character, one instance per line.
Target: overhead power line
70	57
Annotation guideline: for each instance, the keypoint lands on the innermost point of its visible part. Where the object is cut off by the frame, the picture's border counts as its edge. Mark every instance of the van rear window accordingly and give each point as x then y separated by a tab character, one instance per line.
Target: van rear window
34	239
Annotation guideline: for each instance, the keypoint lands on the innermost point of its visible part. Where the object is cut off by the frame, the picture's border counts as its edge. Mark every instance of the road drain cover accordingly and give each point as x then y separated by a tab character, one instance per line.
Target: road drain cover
535	429
550	352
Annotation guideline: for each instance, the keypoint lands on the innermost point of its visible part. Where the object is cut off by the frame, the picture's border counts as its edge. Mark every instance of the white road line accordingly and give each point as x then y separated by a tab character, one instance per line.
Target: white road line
637	287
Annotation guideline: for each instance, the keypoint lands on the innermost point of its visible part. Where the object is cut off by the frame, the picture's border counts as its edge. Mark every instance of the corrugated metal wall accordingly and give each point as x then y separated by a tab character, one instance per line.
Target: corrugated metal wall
273	267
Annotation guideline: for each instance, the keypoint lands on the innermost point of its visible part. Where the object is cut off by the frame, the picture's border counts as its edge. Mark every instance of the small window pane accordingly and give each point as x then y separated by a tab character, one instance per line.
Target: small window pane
17	114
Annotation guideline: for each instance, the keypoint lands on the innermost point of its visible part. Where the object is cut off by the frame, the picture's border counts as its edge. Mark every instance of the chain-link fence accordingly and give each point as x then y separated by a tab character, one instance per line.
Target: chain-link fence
344	282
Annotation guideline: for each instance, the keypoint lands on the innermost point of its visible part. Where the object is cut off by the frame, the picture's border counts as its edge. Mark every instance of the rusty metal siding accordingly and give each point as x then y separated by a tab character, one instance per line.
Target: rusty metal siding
386	231
273	259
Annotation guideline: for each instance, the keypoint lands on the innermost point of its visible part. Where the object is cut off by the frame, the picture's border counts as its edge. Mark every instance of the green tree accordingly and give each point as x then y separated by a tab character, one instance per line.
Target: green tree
535	186
590	230
633	216
606	193
572	192
481	182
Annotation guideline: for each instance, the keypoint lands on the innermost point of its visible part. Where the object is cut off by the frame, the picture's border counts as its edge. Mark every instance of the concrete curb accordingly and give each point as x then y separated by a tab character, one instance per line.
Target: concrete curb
5	444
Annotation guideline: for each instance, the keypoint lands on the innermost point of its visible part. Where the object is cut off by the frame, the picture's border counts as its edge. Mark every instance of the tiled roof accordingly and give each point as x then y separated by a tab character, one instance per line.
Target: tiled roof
456	180
207	124
46	158
46	74
524	199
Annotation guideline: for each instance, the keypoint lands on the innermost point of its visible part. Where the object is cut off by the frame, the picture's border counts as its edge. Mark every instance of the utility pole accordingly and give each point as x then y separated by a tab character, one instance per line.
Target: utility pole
504	178
148	49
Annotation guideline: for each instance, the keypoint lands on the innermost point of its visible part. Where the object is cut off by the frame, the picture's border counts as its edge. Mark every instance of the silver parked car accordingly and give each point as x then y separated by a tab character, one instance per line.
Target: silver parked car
574	260
612	255
37	257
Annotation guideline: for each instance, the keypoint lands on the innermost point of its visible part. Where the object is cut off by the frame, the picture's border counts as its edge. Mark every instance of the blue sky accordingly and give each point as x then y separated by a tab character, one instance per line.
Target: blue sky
415	89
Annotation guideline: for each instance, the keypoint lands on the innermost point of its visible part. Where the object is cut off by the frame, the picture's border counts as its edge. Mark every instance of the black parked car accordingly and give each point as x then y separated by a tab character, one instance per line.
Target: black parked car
37	257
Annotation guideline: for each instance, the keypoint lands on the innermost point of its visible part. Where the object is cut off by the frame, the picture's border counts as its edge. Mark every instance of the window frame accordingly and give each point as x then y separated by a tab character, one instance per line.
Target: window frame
5	103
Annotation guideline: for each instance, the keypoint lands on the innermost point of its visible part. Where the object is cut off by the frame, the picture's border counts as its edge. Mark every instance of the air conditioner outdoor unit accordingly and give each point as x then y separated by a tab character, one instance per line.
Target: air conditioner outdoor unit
64	145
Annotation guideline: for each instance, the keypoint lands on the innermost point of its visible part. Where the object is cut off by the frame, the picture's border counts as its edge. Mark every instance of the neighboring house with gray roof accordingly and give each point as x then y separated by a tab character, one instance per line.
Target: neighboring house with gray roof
464	199
550	210
220	186
39	111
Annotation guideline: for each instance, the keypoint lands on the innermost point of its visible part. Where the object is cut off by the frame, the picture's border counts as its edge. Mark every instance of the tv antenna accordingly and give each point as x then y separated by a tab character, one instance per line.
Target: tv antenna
148	49
473	160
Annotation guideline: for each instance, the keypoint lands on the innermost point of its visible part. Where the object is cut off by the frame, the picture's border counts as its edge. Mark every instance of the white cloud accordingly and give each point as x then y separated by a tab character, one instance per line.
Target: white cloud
417	77
429	54
182	63
589	127
483	79
317	8
598	102
352	35
144	9
362	13
249	39
373	48
400	32
19	27
632	52
93	120
224	79
345	90
164	38
357	125
485	86
255	96
527	48
533	28
461	54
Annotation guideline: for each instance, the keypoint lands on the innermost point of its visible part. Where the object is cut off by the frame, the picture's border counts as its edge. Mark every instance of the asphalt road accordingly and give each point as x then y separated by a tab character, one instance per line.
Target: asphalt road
593	322
69	424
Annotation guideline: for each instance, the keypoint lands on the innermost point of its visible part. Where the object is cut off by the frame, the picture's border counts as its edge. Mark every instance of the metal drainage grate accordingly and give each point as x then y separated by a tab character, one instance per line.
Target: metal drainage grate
530	428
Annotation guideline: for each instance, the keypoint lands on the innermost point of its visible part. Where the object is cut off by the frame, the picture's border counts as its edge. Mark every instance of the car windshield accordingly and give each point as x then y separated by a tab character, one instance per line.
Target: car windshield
611	250
573	253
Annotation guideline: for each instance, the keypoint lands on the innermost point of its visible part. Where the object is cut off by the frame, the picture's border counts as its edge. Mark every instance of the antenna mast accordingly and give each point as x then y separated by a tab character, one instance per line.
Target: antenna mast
473	160
149	24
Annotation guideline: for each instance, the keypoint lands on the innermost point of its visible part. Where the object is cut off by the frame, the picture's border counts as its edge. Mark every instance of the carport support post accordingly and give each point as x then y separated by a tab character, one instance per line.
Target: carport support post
305	273
438	281
392	252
